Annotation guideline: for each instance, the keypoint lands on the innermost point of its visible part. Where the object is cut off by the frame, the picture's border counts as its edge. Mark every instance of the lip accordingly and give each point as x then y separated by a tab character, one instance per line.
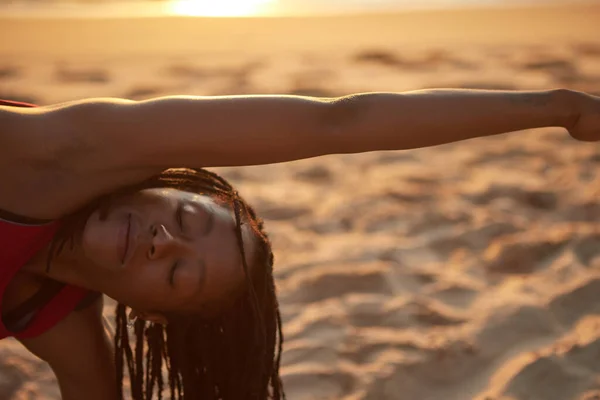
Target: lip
131	239
124	239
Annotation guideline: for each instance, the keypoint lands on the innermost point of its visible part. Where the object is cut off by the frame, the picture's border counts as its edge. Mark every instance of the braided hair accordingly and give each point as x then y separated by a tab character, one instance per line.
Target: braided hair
235	355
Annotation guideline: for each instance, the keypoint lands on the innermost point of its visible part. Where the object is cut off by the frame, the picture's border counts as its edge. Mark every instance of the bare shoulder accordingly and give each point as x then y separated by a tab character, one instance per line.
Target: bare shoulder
79	328
79	350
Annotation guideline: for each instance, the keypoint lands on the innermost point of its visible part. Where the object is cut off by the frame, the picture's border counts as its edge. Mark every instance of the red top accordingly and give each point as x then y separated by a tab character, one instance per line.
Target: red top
19	244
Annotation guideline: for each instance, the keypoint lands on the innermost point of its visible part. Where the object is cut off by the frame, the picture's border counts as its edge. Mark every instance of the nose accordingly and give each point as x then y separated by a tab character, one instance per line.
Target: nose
163	242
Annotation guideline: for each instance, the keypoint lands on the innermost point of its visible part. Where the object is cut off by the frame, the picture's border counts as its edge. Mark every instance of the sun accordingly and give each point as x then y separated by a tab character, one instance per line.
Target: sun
219	8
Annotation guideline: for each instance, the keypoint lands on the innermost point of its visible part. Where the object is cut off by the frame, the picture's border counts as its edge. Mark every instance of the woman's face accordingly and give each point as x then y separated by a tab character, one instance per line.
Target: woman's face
163	250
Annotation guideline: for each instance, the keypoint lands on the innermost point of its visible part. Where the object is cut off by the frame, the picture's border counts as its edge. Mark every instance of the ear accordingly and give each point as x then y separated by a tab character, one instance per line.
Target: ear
155	317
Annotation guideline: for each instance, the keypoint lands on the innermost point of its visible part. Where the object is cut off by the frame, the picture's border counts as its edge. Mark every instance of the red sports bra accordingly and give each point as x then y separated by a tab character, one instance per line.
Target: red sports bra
19	243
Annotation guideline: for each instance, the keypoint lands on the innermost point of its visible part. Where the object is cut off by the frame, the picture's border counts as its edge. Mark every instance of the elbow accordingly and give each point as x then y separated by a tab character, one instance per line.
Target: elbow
340	123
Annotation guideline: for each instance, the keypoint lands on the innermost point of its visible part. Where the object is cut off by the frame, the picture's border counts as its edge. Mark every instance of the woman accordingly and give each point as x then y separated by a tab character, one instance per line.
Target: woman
182	249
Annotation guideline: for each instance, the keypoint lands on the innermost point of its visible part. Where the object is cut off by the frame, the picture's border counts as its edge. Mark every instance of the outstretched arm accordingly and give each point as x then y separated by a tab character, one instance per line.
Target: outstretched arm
112	142
247	130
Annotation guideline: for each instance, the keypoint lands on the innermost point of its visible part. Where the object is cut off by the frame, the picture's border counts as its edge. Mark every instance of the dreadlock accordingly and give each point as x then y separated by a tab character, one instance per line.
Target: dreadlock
233	356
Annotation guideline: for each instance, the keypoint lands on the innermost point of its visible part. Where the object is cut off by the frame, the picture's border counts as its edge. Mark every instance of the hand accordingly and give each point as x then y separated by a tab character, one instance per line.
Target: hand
584	123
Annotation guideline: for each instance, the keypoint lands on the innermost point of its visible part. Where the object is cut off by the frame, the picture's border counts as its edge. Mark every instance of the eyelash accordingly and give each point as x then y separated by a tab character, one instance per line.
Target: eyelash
179	216
172	273
179	219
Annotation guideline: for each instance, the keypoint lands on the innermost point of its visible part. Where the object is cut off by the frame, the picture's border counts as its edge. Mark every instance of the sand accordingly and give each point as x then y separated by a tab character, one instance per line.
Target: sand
467	271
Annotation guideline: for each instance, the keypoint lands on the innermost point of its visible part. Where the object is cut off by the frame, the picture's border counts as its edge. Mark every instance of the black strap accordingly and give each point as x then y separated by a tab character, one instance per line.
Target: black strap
14	319
19	219
17	319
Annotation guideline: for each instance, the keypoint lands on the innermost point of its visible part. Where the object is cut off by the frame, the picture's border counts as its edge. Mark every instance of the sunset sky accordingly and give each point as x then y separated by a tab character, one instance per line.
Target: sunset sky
237	8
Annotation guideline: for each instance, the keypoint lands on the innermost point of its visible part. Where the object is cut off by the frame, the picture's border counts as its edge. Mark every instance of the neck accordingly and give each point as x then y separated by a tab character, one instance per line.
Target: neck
67	267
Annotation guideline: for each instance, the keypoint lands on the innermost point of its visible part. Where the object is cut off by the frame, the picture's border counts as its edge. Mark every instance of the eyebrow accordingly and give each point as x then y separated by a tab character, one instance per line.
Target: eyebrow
209	223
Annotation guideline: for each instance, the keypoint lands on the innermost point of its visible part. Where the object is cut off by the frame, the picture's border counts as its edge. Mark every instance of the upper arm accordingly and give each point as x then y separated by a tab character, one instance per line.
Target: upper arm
191	131
80	353
71	153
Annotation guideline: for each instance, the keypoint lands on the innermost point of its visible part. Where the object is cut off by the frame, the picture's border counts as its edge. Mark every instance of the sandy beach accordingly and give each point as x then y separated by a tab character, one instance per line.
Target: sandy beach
466	271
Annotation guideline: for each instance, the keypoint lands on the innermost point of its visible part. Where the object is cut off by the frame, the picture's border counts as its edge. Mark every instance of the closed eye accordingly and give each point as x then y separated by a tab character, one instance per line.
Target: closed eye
179	215
172	274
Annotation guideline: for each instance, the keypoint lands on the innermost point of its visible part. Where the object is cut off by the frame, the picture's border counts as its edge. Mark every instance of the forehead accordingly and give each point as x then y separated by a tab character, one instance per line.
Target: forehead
179	194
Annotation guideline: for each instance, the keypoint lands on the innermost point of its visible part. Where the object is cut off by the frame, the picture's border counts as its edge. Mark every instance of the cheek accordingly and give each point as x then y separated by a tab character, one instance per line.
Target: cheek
93	230
226	273
143	284
98	240
146	274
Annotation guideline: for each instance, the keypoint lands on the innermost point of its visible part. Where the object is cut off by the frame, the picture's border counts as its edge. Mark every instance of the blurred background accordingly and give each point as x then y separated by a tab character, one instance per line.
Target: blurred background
465	271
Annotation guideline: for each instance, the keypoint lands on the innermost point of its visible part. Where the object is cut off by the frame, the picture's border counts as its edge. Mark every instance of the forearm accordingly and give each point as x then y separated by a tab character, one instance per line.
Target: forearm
117	134
387	121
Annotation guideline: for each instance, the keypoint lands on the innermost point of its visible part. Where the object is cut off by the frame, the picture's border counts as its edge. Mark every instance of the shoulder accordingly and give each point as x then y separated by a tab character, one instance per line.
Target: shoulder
79	350
56	153
29	157
79	329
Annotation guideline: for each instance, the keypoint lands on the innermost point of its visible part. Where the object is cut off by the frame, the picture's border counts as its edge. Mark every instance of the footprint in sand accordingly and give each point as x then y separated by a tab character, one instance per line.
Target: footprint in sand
426	313
541	200
324	322
562	370
327	329
378	57
394	157
512	325
334	283
371	311
328	226
316	174
69	74
364	310
476	239
587	249
587	49
318	383
553	381
143	92
429	375
432	59
433	219
507	155
280	213
519	257
559	68
454	294
576	302
301	351
9	72
588	211
187	71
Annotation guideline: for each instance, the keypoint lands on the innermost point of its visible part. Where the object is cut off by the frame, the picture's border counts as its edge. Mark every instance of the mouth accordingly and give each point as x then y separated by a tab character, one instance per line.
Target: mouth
126	241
